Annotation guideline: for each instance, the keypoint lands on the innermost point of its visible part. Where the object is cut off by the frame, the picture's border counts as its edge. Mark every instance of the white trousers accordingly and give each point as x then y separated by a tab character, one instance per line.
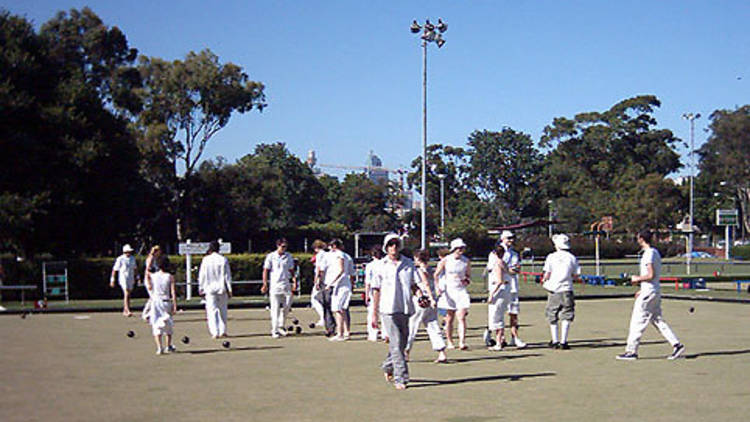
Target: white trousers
497	308
315	303
372	333
647	310
216	313
428	318
281	303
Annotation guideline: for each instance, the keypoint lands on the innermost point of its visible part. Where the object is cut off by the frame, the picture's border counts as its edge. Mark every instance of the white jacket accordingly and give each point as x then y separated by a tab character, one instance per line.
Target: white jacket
215	277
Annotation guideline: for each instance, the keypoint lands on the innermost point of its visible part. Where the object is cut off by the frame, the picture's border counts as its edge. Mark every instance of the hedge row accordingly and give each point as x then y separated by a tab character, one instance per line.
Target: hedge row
88	278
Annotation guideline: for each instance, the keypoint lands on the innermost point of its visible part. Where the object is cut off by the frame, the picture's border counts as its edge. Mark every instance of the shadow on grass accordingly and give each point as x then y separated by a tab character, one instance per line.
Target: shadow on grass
481	358
717	353
420	383
231	349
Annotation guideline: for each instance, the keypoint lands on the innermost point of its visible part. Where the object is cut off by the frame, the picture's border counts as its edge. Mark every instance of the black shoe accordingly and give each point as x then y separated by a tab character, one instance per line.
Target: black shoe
565	346
627	356
553	345
677	352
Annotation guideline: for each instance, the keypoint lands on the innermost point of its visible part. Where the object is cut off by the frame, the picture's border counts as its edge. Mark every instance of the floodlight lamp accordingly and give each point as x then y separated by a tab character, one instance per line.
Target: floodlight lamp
698	116
439	41
442	26
428	35
415	27
428	26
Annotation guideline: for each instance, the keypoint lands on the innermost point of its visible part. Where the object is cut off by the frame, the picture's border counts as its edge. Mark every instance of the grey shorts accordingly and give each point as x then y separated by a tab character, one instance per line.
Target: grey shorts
560	306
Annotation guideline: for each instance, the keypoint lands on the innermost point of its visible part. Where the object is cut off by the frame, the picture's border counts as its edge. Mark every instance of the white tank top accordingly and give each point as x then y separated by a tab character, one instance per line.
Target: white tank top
160	281
455	271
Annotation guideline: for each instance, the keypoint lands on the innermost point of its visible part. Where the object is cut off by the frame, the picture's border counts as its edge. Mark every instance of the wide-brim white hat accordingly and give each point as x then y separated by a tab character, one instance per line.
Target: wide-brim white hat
388	238
507	234
457	243
561	241
127	248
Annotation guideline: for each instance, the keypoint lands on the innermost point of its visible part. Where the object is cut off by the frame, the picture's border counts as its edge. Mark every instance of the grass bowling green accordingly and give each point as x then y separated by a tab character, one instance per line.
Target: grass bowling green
66	368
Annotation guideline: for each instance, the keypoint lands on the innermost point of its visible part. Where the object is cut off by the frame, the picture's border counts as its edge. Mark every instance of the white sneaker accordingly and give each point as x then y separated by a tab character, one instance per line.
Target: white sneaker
171	349
520	344
159	351
496	348
282	332
275	335
337	338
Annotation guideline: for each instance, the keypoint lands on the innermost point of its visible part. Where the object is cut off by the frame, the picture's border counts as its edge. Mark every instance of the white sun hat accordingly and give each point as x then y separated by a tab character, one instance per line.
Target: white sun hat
561	241
127	248
388	238
507	234
457	243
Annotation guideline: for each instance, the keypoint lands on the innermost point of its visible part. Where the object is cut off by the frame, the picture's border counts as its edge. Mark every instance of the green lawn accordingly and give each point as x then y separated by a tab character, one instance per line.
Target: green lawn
82	367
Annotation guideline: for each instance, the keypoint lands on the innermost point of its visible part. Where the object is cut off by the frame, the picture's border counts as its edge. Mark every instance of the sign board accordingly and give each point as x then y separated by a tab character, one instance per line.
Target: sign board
439	244
727	218
200	248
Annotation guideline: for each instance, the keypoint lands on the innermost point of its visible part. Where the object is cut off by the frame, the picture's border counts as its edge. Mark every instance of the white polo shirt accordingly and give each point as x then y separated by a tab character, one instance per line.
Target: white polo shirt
125	267
331	267
395	281
653	257
562	266
280	268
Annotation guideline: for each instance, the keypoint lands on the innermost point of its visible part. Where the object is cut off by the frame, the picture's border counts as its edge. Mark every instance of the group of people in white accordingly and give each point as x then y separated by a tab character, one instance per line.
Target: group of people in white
401	295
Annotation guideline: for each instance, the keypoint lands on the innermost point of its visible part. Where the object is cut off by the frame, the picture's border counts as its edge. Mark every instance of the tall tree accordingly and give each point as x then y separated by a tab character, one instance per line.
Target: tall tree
598	154
725	157
503	168
363	204
186	102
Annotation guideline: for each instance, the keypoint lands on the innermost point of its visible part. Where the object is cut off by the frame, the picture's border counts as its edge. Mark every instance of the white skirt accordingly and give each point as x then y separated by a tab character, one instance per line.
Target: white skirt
454	298
160	317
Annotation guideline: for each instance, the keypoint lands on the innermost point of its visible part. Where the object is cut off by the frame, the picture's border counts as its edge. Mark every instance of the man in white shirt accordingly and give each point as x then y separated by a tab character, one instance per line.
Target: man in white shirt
512	261
279	265
371	271
125	267
392	291
647	306
338	285
561	269
215	283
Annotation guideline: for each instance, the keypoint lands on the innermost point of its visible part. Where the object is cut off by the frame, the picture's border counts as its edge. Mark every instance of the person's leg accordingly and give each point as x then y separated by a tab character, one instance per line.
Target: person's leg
372	333
157	340
274	306
317	306
330	319
223	305
430	321
567	314
450	315
400	367
661	325
390	331
212	315
414	320
551	313
344	297
126	302
639	320
461	316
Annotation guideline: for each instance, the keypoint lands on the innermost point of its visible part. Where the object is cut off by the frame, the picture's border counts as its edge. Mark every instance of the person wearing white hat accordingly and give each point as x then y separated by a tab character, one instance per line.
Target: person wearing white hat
561	269
392	288
512	261
125	267
455	298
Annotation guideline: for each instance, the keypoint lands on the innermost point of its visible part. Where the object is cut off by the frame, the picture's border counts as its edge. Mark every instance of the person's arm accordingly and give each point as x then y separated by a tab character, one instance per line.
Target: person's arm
637	279
228	277
173	293
467	276
115	268
499	269
340	271
438	272
266	271
149	284
376	306
202	278
293	274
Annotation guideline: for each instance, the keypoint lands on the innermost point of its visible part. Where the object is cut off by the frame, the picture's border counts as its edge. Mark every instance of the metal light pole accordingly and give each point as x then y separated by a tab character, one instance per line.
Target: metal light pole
428	35
691	117
442	205
549	223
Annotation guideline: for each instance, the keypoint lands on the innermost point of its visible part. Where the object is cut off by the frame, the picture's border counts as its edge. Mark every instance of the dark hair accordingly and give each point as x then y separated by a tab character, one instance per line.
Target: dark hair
160	262
423	255
336	242
213	246
646	235
280	241
376	252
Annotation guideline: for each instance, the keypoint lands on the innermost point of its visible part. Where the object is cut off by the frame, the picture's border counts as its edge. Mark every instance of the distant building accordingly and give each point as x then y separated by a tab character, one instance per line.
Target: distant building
375	170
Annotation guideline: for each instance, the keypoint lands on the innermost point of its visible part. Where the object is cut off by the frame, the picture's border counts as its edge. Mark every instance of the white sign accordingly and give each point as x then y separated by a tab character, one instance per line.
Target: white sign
727	218
439	244
200	248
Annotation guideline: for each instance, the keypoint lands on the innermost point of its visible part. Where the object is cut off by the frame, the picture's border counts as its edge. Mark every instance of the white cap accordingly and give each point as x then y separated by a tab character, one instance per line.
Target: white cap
561	241
127	248
388	238
507	234
457	243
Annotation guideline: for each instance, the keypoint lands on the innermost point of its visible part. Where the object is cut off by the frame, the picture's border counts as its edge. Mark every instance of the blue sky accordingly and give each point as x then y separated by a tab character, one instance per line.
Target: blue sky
345	77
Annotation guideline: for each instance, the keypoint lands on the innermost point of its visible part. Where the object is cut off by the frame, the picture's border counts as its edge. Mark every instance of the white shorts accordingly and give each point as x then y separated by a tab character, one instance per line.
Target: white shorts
497	308
515	304
454	299
340	298
126	284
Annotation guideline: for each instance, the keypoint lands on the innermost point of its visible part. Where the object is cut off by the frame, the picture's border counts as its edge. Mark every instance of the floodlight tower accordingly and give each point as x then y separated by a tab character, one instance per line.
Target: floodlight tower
691	117
429	34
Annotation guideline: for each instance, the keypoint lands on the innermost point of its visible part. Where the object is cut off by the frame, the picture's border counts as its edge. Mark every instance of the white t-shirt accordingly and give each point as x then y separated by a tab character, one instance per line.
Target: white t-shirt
562	266
395	280
280	268
494	275
331	268
125	267
653	257
350	270
371	271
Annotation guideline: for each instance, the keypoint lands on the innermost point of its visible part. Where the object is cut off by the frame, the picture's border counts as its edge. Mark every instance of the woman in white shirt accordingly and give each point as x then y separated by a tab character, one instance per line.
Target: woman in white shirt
163	303
455	298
